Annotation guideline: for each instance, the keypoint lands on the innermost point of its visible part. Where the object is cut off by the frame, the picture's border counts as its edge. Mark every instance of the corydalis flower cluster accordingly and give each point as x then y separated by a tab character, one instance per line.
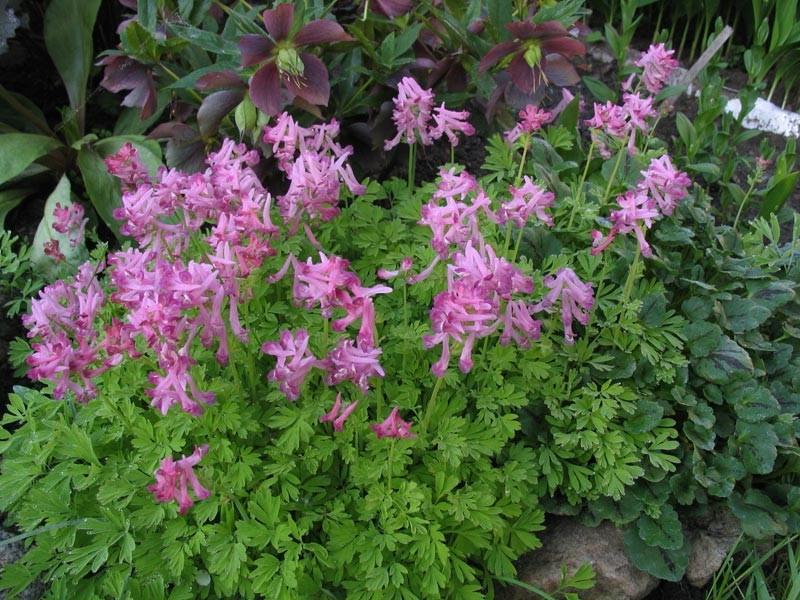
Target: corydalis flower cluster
657	194
417	120
316	166
621	122
173	479
658	64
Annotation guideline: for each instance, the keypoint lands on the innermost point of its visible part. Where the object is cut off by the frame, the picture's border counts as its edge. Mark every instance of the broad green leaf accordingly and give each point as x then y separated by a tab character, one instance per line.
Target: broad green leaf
702	338
697	308
720	475
665	532
9	200
754	404
760	517
598	89
729	359
774	294
18	150
659	562
744	314
147	14
501	12
45	233
68	26
647	416
758	446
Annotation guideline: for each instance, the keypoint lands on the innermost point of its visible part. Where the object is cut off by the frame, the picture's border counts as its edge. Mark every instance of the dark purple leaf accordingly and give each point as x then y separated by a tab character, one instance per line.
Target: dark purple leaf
522	30
214	108
501	50
559	70
219	80
550	29
313	86
172	129
278	21
392	8
321	31
254	49
123	73
566	46
265	89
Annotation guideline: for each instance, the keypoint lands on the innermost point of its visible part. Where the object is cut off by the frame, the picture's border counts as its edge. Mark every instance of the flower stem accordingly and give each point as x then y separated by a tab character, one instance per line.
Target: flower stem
423	426
517	245
452	154
744	201
507	243
391	463
412	164
613	175
325	333
524	156
632	275
579	192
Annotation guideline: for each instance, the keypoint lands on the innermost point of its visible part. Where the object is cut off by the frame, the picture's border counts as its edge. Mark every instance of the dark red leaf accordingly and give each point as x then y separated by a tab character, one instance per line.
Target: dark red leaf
321	31
214	108
495	54
522	30
566	46
392	8
219	80
123	73
550	29
313	86
254	49
559	70
172	129
278	21
265	89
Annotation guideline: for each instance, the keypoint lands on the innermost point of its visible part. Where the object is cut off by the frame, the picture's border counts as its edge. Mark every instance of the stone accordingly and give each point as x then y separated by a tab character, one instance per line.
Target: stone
11	552
711	541
567	542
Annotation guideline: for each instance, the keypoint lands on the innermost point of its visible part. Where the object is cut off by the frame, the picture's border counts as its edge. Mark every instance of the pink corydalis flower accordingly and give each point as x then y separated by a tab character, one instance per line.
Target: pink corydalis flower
173	479
126	166
577	300
53	250
351	362
294	361
450	123
405	266
69	221
526	200
665	184
338	415
531	119
638	110
658	65
637	212
413	108
393	426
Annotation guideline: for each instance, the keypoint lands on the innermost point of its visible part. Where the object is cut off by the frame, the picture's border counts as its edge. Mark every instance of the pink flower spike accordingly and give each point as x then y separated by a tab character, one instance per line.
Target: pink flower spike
665	184
405	266
173	479
637	212
577	300
337	416
658	65
451	123
527	200
531	119
126	166
351	362
412	114
294	361
638	110
393	426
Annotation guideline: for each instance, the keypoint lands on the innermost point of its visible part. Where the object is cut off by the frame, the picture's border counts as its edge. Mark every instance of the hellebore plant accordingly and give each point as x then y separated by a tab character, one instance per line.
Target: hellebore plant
283	62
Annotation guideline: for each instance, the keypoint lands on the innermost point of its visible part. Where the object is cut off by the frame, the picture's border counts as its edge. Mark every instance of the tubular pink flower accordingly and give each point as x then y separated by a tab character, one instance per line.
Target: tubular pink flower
337	416
405	267
413	106
577	300
638	111
527	200
658	65
393	426
531	119
294	361
126	166
173	479
637	211
450	123
69	221
665	184
351	362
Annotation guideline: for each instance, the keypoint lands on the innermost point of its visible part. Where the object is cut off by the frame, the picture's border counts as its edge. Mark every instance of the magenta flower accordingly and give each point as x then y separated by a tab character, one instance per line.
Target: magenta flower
284	65
338	415
531	120
658	65
539	54
526	200
413	108
354	363
637	211
451	123
405	267
176	385
294	361
665	184
393	426
639	110
69	221
126	166
577	300
174	478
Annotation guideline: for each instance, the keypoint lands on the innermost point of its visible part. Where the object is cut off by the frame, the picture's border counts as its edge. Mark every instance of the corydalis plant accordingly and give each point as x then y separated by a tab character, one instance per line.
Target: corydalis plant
284	63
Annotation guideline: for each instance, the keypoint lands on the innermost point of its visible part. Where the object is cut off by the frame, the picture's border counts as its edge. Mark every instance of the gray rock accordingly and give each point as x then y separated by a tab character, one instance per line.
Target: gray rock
711	542
567	542
8	554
